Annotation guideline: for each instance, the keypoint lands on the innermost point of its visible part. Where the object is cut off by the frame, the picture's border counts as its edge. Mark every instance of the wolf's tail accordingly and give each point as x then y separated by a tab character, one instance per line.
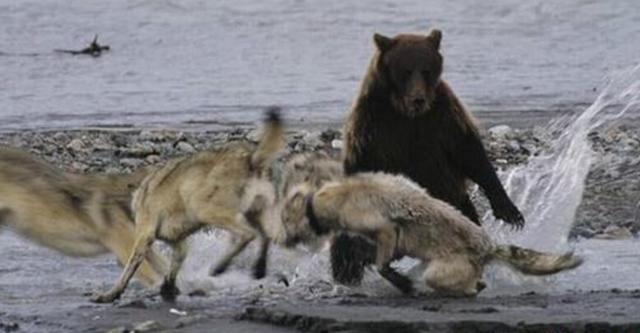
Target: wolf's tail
533	262
271	143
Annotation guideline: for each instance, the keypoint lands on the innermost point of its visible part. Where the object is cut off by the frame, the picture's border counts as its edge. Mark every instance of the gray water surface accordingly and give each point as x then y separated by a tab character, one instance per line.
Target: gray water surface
175	62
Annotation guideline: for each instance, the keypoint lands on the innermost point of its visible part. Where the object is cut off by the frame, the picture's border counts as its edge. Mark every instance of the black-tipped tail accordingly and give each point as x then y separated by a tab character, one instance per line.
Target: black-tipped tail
272	141
273	115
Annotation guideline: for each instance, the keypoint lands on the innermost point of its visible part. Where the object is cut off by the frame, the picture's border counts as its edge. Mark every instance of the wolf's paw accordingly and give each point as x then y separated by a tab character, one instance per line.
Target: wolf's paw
104	298
259	271
169	291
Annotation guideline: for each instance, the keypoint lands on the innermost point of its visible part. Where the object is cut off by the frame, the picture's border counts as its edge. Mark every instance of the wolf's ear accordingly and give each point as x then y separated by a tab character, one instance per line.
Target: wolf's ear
435	36
383	43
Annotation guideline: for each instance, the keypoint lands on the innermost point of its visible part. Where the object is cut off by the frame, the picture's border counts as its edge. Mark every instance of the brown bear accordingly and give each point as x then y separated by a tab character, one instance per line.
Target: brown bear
407	120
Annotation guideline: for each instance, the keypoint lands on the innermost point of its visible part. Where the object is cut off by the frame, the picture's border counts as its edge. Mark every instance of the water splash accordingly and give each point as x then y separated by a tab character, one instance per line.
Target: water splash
549	188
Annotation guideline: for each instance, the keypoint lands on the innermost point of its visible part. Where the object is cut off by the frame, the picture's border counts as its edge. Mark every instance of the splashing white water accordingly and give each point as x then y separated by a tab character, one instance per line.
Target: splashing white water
548	190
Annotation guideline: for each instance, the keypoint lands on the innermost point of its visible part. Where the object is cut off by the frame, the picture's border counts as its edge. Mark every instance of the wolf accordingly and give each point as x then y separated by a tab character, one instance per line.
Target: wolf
79	215
311	170
401	219
225	188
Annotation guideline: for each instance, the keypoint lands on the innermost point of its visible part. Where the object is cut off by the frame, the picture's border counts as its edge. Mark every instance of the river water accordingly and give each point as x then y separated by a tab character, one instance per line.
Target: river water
193	62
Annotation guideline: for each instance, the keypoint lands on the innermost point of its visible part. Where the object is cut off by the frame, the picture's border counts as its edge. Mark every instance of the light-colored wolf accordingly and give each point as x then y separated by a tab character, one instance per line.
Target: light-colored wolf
401	218
226	188
78	215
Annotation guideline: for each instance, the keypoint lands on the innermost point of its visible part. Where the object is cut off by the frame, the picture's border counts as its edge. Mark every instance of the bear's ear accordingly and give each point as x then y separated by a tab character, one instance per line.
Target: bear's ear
435	36
383	43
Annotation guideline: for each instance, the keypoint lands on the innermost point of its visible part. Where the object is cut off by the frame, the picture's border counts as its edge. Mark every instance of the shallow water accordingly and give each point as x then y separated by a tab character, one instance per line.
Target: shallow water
30	275
222	61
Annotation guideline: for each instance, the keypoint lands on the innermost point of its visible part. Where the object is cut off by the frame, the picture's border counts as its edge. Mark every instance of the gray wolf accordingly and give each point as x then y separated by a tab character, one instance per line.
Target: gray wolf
79	215
226	188
402	219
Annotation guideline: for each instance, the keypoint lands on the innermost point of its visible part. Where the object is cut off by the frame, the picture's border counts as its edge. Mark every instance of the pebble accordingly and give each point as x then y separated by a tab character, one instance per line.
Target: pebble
500	131
614	232
583	232
185	147
177	312
79	166
254	135
330	135
131	162
9	326
148	326
313	140
153	159
76	145
514	145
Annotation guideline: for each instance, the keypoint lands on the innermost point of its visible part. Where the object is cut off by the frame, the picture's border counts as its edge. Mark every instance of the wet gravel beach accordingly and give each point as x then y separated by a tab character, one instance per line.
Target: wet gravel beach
612	188
43	299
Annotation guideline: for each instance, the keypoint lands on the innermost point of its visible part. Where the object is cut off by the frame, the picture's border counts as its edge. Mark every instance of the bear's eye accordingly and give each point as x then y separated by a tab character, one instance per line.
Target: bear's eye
426	73
408	72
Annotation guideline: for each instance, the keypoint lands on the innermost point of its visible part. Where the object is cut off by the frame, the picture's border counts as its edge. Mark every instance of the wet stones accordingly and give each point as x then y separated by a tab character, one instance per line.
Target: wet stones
501	132
612	189
77	145
614	232
148	326
9	326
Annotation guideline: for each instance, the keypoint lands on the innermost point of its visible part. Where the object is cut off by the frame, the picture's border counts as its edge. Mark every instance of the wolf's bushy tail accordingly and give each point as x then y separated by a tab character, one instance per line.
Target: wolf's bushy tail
533	262
272	140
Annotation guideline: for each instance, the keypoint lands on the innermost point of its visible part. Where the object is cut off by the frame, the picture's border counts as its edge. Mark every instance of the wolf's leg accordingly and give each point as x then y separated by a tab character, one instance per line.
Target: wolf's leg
260	267
238	246
120	240
453	276
254	216
122	247
157	262
386	241
218	210
145	235
168	290
4	216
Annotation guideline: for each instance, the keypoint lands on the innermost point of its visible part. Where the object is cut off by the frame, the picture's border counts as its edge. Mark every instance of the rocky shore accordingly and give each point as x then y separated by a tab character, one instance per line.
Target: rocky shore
609	208
608	211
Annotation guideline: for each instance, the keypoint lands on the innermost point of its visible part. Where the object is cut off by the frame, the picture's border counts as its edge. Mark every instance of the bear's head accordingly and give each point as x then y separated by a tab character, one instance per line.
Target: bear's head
411	66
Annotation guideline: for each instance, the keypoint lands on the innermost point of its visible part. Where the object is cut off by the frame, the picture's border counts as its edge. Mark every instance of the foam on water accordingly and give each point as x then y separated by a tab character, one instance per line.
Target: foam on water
548	190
